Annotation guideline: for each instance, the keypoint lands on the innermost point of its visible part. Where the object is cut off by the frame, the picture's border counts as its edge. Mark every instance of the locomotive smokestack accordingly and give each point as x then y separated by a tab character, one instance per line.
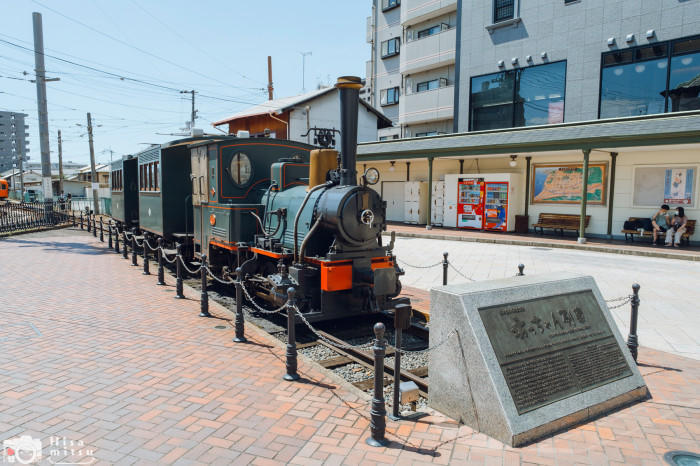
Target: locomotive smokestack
349	88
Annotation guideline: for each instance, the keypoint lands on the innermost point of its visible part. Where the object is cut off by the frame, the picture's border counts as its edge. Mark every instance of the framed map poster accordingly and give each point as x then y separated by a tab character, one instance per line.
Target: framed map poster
561	183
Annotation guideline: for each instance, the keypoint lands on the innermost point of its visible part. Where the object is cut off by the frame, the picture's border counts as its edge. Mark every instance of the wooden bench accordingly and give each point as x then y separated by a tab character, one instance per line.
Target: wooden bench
685	237
560	222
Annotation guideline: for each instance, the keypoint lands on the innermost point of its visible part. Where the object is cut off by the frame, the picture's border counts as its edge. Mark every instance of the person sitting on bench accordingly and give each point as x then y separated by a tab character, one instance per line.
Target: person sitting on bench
660	221
677	228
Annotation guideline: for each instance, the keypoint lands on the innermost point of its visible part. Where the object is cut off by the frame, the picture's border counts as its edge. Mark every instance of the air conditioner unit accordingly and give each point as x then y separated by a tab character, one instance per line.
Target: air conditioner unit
443	82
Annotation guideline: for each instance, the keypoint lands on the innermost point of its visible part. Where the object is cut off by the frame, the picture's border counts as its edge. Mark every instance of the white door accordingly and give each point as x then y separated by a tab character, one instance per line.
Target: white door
393	193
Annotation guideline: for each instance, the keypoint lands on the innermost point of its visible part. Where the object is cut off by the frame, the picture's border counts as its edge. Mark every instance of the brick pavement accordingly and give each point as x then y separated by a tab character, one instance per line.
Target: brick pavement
92	351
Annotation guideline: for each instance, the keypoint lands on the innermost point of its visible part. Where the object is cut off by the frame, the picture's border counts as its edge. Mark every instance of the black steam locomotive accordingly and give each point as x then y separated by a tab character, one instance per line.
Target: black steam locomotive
286	213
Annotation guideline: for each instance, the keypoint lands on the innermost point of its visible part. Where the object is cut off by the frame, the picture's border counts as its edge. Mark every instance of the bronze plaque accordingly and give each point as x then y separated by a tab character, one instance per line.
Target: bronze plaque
554	347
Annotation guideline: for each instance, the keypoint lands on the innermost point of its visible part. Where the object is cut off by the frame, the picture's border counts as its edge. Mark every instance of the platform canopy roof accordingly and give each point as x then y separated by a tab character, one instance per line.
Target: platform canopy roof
611	134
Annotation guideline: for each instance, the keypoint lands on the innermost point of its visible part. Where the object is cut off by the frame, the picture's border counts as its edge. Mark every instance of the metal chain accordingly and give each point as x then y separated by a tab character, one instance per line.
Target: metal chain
220	280
149	245
403	351
621	298
419	266
326	340
165	257
626	300
139	244
261	309
192	272
458	272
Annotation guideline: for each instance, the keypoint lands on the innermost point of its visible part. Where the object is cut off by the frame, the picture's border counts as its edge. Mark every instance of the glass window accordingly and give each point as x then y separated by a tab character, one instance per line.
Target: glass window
428	85
492	101
539	96
684	83
155	176
426	133
391	47
241	169
429	31
503	10
389	96
389	4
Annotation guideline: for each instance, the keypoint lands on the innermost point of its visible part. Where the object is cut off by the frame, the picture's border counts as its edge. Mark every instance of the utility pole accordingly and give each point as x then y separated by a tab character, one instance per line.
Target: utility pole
42	107
60	164
303	70
194	112
93	177
270	88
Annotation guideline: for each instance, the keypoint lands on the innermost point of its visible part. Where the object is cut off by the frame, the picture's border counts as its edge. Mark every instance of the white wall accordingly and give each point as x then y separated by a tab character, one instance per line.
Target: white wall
624	183
324	112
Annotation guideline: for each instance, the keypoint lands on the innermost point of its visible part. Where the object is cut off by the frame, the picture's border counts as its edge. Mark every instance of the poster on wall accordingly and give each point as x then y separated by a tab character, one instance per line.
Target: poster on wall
561	183
678	186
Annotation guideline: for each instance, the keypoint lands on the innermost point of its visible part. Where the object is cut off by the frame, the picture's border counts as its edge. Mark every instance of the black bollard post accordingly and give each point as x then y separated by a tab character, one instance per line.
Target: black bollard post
291	374
146	264
632	341
81	219
239	323
161	272
102	236
402	321
445	263
94	226
88	222
134	260
125	251
204	296
116	239
377	425
72	216
520	273
178	268
109	235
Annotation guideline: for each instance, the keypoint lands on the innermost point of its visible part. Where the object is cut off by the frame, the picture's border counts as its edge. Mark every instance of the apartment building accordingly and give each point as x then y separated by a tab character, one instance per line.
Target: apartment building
13	139
411	73
535	62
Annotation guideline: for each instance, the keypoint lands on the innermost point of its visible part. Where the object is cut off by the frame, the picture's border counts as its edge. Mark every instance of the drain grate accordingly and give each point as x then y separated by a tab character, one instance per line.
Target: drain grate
220	327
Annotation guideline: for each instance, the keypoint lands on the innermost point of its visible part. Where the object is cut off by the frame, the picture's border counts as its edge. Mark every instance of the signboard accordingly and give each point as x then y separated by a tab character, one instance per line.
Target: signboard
95	186
678	186
553	347
561	183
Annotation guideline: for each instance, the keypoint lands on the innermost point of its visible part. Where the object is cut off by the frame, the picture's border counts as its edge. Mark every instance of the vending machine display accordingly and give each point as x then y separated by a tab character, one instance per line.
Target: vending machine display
470	203
496	206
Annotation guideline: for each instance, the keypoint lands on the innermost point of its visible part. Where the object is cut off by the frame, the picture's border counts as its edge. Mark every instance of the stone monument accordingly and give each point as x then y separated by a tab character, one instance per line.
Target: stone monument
527	356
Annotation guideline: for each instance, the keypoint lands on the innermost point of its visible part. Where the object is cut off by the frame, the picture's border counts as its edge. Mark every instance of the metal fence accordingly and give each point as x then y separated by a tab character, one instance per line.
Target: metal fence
80	203
22	216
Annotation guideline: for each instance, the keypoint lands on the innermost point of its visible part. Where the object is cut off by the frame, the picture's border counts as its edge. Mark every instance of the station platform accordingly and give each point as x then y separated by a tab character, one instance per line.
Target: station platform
92	351
640	247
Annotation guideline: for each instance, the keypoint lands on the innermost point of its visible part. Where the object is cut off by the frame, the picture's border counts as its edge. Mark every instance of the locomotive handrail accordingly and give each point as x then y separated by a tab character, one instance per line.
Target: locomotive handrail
298	215
309	235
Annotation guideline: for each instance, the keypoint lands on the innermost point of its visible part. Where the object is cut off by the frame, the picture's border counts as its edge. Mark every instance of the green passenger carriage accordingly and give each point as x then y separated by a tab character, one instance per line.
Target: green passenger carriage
125	194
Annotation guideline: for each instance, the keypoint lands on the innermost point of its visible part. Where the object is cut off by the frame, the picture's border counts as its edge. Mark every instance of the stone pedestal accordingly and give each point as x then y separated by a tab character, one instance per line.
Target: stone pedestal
527	356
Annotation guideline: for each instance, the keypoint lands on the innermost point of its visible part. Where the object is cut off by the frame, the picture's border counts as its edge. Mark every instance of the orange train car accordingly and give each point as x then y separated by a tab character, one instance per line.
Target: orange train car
4	189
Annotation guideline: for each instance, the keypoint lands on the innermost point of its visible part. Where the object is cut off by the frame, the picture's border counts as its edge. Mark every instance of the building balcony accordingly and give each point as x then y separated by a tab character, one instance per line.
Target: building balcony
415	11
429	52
423	107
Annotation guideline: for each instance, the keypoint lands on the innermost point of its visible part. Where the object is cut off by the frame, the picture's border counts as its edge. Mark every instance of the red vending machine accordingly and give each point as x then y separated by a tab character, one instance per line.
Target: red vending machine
496	206
470	203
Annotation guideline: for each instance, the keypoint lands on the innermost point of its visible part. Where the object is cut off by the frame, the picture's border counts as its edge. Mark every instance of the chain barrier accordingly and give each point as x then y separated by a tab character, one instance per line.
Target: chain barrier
261	309
165	258
137	242
220	280
148	245
623	300
458	272
191	272
426	350
418	266
326	340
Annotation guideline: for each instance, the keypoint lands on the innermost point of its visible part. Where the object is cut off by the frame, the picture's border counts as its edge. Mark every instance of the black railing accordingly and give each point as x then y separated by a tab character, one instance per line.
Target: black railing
22	216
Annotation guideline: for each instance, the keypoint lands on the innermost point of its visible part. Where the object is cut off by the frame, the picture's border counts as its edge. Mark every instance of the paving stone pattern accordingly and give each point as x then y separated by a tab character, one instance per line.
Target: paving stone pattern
93	351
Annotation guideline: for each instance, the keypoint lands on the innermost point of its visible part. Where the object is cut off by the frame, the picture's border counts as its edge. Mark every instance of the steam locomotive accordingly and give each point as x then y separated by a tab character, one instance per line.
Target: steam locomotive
287	214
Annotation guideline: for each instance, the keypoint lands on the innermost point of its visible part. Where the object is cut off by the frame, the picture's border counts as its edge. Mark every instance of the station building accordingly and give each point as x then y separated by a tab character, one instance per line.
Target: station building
543	88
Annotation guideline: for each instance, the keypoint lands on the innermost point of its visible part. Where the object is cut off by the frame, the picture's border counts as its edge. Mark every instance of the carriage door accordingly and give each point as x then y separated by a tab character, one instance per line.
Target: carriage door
198	157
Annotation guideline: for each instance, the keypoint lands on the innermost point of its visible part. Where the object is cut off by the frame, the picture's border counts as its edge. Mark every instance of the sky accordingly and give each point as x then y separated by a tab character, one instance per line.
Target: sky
143	52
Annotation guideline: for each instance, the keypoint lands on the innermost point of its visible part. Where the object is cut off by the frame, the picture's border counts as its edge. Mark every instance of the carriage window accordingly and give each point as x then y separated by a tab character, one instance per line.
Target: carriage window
155	176
241	169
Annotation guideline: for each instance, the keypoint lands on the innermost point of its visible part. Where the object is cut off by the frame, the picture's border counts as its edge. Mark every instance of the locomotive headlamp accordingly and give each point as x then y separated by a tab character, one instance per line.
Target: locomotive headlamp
371	176
212	219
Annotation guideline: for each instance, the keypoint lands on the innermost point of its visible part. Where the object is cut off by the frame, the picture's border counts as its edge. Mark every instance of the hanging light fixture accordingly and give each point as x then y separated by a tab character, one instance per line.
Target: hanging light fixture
392	168
512	162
